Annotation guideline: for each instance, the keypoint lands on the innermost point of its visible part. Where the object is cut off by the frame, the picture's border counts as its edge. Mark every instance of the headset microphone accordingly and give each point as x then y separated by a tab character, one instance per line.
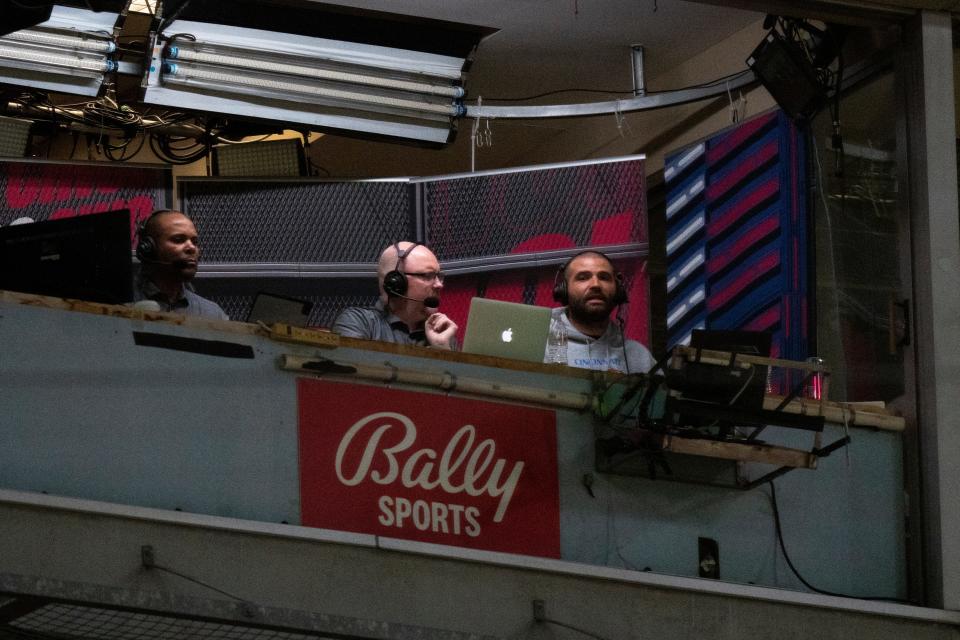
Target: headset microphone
167	263
430	301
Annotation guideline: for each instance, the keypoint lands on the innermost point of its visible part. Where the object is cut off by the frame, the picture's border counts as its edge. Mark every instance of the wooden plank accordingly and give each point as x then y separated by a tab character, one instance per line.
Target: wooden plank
437	381
305	336
840	413
300	335
740	451
123	311
722	358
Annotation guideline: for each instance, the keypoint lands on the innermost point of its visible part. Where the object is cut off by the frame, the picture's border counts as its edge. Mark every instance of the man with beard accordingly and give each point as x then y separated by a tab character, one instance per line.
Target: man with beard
410	282
168	249
590	289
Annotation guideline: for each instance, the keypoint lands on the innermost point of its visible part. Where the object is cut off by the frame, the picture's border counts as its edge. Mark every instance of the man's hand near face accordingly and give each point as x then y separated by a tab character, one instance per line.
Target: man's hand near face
440	331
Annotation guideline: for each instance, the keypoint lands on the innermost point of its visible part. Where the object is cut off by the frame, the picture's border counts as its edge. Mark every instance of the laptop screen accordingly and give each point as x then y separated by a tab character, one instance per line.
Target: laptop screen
270	308
507	330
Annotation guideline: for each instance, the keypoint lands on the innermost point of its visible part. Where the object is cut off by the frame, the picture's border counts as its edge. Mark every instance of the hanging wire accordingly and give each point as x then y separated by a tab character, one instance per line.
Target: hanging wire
783	549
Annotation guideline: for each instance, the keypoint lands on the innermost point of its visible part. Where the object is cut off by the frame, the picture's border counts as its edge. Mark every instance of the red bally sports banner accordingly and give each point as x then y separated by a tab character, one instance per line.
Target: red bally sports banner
428	467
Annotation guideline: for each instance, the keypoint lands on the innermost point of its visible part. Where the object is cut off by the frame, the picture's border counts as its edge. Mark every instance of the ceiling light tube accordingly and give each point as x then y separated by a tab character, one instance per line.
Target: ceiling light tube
69	42
432	129
265	44
284	88
60	61
316	72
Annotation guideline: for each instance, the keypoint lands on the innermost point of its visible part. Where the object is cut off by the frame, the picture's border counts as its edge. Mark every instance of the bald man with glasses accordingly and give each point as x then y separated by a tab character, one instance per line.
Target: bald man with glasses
410	282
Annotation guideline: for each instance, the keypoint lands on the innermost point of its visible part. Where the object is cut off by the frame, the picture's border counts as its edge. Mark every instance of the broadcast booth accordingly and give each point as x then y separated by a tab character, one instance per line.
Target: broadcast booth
290	426
168	476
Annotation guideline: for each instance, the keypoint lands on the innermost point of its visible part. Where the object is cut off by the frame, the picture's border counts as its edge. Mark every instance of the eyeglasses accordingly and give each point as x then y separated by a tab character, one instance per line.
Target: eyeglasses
429	276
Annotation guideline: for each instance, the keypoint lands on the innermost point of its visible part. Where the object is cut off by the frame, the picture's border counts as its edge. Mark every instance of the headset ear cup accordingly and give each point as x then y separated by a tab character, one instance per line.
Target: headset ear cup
395	283
560	285
620	293
560	291
146	249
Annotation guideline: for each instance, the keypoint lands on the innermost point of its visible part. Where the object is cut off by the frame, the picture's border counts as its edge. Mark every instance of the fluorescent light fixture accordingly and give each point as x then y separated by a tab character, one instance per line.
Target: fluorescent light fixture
315	69
69	53
325	83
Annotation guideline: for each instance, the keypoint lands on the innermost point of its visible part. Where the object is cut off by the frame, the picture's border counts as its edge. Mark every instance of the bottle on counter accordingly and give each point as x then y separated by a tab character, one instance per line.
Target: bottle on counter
557	342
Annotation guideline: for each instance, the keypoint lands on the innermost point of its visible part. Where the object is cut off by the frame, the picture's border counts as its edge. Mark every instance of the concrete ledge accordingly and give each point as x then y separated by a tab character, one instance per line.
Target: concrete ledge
503	560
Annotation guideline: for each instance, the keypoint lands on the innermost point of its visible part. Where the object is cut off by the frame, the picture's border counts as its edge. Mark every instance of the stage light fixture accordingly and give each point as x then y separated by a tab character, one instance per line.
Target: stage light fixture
71	52
794	62
14	136
275	158
352	79
789	77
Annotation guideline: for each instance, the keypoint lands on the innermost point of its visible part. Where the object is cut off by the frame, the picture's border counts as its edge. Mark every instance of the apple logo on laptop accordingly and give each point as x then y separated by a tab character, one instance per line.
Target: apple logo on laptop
507	335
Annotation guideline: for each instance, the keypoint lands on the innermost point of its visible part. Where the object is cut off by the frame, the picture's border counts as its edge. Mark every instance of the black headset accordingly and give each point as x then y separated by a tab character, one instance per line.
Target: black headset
146	245
560	293
395	282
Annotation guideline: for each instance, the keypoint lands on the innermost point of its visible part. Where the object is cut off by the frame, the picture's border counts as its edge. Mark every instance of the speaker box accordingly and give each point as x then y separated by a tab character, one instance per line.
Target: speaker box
786	73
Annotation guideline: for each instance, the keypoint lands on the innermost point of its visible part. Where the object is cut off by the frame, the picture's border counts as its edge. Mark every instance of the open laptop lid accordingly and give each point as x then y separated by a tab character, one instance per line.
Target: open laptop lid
507	330
270	308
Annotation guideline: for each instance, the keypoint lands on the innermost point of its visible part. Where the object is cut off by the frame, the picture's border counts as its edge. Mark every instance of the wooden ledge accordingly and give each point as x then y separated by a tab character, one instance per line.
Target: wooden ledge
320	338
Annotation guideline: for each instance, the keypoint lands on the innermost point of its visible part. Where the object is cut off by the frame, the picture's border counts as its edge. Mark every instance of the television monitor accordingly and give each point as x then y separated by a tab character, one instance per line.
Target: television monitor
720	395
730	385
86	257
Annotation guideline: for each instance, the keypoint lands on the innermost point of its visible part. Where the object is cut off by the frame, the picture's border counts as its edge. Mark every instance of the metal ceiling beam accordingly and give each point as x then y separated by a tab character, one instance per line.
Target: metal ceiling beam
640	103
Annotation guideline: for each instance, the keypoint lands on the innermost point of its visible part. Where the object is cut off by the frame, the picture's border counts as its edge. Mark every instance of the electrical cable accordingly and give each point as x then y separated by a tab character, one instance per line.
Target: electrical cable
159	144
786	556
834	278
836	140
589	634
73	149
123	155
167	21
105	115
753	371
184	576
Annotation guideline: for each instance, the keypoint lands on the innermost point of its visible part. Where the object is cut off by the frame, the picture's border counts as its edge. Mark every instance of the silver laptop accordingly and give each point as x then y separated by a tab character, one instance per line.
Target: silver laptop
507	330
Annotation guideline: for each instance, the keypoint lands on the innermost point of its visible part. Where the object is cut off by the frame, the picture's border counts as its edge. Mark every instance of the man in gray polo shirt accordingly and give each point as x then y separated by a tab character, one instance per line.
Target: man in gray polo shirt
410	281
169	249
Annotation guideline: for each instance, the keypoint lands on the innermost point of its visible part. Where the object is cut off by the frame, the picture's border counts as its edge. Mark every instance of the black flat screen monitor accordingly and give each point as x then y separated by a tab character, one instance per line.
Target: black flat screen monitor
87	258
270	308
726	385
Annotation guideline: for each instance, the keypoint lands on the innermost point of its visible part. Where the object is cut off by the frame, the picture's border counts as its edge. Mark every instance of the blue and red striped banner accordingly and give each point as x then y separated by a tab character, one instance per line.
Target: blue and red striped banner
737	235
